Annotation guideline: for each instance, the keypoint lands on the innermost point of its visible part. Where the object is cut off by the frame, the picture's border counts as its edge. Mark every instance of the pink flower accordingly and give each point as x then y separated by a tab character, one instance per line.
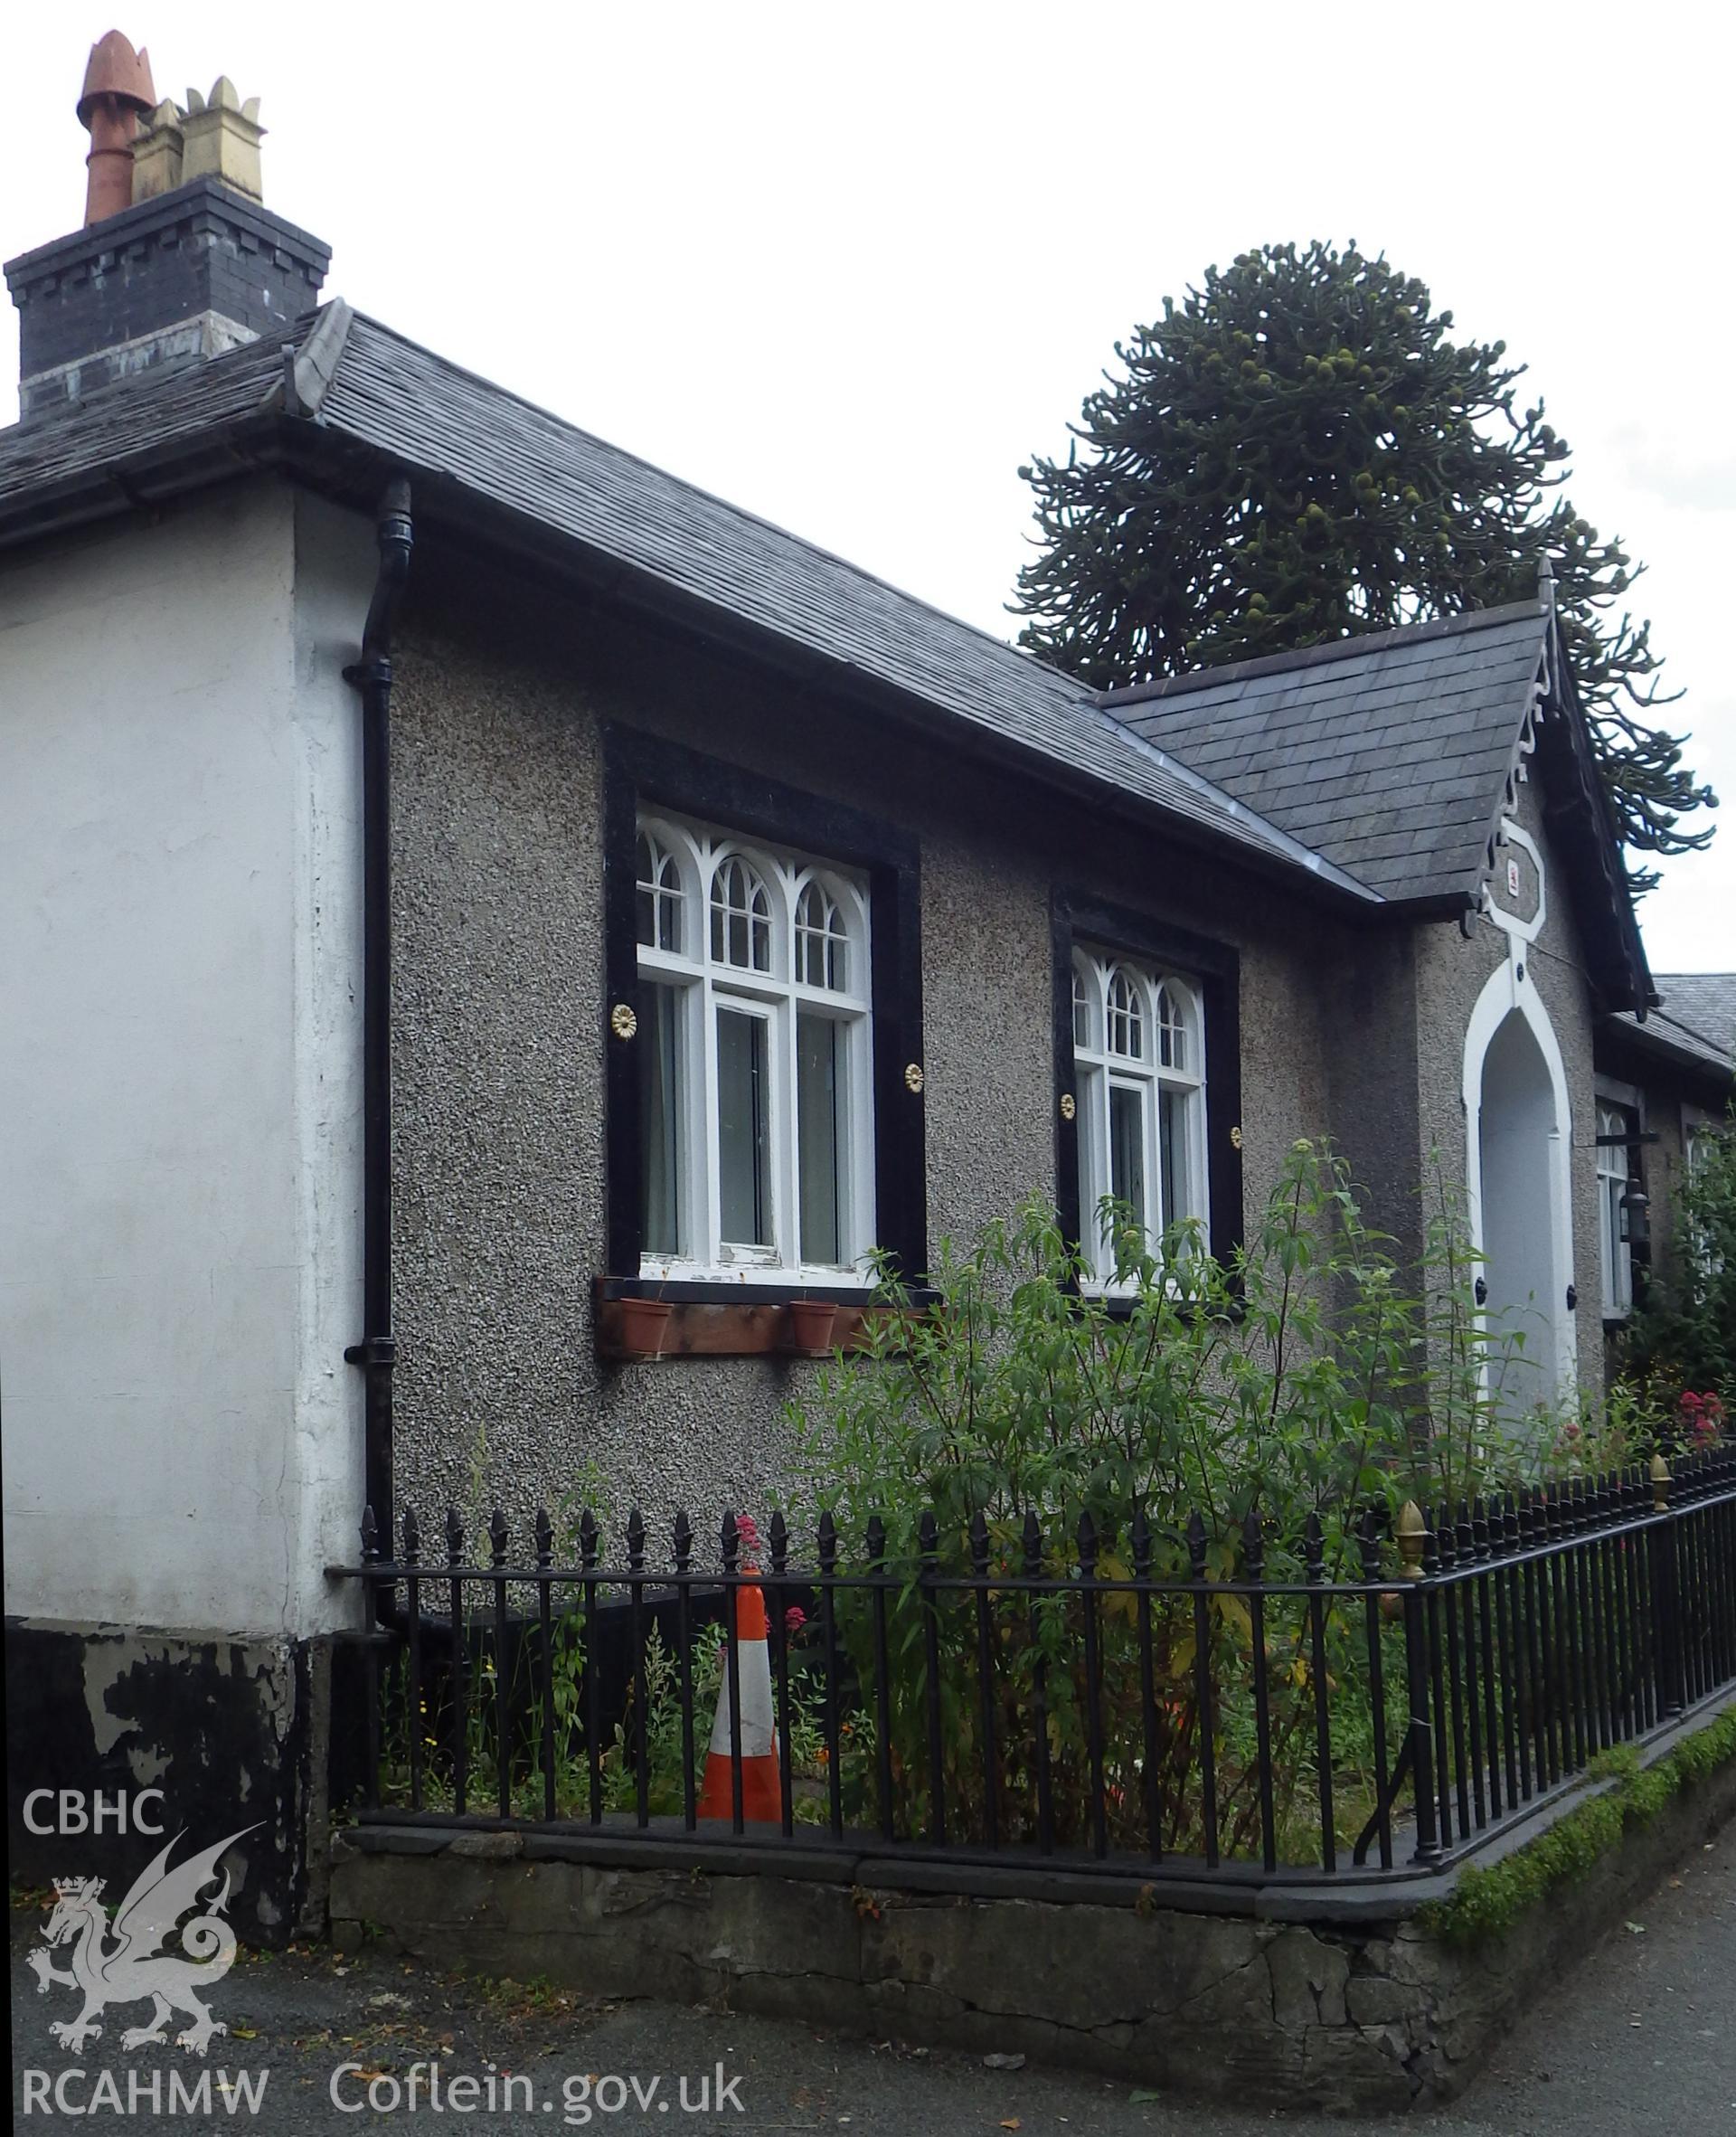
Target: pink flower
794	1617
747	1531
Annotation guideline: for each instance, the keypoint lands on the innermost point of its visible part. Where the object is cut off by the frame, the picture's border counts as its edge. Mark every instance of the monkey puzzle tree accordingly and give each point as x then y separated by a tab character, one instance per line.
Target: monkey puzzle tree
1298	450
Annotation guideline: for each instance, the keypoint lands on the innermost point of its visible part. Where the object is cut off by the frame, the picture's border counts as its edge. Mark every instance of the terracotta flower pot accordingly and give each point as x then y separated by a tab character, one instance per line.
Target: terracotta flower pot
811	1322
645	1326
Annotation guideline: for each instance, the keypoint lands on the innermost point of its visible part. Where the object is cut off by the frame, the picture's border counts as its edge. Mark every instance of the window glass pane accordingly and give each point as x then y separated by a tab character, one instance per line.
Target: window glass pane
743	1140
1172	1031
1618	1256
740	917
1605	1246
820	1115
1126	1018
659	896
1172	1157
822	947
1091	1186
1081	1012
1127	1147
659	1119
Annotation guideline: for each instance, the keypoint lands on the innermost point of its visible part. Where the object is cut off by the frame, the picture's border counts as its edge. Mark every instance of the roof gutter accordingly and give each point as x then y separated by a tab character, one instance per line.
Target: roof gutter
1650	1037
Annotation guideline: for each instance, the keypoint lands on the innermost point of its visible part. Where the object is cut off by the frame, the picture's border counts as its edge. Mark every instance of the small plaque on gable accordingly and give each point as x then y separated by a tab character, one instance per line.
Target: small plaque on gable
1514	881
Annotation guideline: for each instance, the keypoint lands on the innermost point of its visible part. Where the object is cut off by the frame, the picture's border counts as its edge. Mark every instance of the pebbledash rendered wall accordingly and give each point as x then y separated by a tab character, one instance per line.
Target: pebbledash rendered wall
499	1031
179	1224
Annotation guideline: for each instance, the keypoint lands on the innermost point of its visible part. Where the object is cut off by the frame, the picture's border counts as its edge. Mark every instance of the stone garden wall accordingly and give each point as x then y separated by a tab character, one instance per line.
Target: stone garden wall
1336	1998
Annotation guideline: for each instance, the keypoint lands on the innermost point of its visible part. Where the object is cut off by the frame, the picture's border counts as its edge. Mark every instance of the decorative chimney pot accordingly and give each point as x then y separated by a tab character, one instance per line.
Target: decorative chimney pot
221	136
157	153
117	92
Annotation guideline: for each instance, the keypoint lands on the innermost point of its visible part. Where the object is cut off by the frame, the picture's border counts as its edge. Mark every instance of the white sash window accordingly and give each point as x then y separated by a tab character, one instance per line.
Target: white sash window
1139	1072
755	1088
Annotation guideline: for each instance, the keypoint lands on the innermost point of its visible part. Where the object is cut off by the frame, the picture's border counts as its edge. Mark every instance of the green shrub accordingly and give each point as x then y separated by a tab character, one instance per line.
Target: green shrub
1200	1413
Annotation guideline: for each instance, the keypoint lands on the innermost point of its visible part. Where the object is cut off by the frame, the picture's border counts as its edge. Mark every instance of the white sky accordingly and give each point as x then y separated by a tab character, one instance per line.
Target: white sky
848	269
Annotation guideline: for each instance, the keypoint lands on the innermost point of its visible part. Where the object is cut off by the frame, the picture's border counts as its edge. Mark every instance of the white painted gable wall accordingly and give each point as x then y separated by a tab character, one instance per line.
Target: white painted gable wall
180	1067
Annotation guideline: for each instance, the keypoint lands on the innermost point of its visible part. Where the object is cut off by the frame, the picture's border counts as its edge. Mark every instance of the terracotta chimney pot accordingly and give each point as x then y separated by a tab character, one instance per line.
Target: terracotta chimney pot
117	91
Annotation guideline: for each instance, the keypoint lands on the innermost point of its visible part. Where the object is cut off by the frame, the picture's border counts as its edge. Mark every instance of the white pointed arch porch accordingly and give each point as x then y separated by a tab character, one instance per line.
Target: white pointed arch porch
1507	994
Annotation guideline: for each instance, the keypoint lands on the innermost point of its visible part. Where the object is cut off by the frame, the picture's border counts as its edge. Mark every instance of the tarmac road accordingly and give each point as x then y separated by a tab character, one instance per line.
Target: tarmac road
1640	2037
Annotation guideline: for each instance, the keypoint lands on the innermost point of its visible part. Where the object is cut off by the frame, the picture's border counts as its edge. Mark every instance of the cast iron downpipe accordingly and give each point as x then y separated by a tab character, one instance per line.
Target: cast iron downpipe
377	1352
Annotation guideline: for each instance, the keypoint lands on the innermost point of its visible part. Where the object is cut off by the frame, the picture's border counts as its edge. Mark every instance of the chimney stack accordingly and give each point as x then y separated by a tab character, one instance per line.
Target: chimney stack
179	258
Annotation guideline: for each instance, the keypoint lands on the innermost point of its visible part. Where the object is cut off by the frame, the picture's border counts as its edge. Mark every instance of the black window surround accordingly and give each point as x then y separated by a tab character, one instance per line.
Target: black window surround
1215	969
641	769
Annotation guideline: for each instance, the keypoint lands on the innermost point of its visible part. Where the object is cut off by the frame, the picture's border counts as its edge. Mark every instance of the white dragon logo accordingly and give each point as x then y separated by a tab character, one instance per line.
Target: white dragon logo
136	1966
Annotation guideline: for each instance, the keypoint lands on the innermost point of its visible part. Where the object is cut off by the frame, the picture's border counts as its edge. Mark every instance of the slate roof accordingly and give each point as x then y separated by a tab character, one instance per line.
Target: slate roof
354	386
1704	1003
1387	753
1696	1017
1374	766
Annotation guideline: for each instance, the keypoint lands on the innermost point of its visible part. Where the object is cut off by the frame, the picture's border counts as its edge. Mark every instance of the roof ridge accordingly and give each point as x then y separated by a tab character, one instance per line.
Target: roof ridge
1329	649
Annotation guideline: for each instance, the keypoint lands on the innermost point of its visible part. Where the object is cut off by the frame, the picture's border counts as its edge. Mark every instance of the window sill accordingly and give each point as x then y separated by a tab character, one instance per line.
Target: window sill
717	1320
1122	1305
723	1290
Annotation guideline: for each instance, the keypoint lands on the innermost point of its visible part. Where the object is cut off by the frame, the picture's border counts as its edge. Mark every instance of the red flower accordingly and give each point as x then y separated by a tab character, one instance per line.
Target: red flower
794	1617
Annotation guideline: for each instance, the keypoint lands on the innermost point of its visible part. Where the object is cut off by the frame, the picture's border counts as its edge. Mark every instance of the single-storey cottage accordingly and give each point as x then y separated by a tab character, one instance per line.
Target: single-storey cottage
463	882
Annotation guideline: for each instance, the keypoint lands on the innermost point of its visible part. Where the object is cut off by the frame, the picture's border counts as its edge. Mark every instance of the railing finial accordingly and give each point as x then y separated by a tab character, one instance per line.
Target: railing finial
1413	1535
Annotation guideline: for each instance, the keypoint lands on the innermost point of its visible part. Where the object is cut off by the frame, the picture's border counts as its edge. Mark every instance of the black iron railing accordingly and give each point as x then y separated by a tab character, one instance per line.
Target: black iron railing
1194	1703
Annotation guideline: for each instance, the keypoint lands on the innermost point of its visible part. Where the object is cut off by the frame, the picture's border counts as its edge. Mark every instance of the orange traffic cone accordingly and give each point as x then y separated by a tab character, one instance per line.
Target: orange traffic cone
762	1794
